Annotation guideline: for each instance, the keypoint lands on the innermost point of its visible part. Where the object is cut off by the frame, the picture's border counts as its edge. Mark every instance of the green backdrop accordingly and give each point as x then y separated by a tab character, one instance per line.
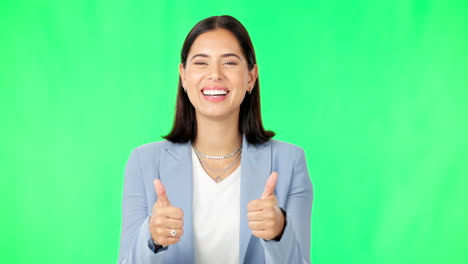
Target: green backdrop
374	91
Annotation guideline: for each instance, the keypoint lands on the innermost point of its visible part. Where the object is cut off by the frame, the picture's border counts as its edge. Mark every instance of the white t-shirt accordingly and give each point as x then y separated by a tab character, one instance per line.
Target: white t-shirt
216	213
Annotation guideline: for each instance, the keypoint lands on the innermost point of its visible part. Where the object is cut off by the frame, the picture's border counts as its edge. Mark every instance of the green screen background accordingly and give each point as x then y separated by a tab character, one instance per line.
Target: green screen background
374	91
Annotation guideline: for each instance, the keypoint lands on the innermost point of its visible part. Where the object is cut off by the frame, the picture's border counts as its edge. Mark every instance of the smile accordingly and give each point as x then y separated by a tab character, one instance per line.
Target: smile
214	92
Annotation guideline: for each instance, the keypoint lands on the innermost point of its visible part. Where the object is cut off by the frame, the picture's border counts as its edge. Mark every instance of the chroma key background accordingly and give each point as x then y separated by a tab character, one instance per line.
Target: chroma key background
374	91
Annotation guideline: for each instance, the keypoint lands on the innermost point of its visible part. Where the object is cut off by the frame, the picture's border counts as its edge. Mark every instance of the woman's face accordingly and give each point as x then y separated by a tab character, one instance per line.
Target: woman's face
216	75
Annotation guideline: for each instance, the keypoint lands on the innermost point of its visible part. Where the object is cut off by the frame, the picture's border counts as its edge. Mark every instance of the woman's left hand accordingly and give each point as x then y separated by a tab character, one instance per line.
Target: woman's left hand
266	220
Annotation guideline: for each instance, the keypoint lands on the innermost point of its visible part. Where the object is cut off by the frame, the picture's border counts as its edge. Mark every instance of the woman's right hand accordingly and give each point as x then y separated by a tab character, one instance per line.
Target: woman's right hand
164	218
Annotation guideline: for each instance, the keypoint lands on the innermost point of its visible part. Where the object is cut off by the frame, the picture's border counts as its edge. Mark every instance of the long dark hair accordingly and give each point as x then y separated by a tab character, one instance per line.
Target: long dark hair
250	118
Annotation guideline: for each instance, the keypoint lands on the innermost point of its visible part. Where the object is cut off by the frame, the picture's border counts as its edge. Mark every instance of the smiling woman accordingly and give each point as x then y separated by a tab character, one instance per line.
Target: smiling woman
219	189
217	71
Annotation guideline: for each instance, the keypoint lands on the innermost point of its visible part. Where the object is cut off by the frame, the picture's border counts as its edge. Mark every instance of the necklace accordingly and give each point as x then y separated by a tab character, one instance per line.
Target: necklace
216	157
219	172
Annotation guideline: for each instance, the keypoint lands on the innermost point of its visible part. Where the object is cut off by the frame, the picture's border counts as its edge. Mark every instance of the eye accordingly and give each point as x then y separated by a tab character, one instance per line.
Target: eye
231	63
201	63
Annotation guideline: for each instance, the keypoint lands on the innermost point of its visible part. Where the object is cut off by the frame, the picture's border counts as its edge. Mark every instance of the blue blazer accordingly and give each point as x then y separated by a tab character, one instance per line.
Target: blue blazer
172	164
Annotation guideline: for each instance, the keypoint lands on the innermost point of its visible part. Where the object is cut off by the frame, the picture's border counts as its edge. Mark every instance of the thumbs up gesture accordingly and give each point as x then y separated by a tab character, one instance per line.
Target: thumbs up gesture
166	223
266	220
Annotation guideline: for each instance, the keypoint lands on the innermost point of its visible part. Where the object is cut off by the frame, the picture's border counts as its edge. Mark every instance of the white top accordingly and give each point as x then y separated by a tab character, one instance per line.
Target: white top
216	214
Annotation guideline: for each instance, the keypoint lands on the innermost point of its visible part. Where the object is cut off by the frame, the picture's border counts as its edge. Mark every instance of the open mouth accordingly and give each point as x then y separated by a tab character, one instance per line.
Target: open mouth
215	93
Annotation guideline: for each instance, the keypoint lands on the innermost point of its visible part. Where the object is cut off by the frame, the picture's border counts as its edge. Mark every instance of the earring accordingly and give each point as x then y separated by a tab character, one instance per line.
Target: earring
250	91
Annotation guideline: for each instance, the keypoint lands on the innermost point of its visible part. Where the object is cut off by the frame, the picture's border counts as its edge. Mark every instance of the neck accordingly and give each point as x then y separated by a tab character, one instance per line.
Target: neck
217	137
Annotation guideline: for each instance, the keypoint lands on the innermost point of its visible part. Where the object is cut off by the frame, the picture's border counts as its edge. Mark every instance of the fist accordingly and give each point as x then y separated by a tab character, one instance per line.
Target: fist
166	224
266	220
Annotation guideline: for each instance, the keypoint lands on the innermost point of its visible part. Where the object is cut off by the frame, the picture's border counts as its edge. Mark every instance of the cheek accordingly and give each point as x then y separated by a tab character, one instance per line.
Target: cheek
240	78
193	77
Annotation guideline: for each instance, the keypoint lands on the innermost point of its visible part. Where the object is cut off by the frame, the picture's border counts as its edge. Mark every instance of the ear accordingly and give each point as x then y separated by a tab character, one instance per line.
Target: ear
253	74
182	73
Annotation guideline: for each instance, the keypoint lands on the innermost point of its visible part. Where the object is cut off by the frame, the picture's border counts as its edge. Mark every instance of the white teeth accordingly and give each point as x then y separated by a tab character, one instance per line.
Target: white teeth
214	92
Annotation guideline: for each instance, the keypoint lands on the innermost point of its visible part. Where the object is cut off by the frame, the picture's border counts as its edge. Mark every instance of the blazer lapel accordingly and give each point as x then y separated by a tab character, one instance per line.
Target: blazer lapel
176	174
255	169
175	171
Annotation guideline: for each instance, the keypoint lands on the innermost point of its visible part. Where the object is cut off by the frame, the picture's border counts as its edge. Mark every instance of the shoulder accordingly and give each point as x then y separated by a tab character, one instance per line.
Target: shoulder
152	146
281	151
283	147
150	151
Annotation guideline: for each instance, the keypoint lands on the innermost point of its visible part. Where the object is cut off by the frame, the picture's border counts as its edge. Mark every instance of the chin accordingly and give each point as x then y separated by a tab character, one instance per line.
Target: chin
214	115
217	114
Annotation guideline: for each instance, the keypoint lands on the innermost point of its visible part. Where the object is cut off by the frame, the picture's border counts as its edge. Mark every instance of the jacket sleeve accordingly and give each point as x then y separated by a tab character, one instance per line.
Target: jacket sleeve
136	245
294	244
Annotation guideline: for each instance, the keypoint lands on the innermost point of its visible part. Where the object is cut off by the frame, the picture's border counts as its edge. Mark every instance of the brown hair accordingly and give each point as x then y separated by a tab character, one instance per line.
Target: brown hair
250	119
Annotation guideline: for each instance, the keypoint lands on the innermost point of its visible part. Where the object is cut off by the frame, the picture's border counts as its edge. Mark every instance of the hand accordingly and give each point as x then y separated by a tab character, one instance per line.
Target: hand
266	220
164	218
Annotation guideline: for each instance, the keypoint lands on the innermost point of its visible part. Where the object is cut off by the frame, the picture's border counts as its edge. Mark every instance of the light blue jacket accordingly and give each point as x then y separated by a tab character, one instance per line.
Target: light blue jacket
172	163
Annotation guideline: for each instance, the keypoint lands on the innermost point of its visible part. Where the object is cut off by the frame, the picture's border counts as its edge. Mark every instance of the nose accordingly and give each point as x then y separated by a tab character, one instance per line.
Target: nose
215	73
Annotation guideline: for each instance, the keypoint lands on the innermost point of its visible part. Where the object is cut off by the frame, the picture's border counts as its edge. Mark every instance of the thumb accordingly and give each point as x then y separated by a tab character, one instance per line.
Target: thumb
161	192
270	185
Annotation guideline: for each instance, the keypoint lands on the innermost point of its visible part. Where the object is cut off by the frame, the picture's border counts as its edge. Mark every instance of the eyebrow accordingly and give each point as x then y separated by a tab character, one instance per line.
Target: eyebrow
223	55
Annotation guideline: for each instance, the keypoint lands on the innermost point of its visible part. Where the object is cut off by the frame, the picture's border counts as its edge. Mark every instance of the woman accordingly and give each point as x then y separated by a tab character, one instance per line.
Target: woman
219	189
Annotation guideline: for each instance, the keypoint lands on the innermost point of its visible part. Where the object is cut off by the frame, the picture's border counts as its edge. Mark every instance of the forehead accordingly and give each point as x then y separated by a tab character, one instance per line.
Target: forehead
215	42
